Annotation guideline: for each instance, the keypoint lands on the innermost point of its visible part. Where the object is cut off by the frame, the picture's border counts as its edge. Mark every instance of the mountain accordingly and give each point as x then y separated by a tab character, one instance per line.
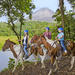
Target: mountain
43	14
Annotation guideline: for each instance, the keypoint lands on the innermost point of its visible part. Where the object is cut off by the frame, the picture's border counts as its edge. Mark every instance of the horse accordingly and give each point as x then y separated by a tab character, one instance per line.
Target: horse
37	49
54	48
17	51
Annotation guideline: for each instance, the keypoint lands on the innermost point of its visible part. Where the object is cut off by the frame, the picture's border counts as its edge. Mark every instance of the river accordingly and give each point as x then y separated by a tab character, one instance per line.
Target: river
4	58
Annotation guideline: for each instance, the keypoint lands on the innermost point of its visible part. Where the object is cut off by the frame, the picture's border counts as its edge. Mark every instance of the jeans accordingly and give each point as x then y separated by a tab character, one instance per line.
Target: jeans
25	50
62	45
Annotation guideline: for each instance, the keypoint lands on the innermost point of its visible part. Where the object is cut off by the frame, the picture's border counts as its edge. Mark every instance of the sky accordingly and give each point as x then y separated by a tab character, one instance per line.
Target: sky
51	4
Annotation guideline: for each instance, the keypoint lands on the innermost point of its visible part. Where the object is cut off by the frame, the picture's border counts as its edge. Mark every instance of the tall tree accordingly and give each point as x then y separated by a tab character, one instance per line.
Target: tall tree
72	2
61	5
16	10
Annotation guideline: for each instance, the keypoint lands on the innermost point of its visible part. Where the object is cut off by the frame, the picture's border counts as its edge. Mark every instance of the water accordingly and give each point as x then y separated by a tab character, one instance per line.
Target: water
4	58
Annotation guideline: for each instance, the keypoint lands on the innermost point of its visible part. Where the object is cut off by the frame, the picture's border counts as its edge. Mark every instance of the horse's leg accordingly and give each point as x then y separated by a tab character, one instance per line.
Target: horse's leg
50	72
42	60
51	69
56	63
72	62
22	61
36	57
16	63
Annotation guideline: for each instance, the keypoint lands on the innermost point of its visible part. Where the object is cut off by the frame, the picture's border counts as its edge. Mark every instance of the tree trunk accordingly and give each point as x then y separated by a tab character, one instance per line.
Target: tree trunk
61	5
13	25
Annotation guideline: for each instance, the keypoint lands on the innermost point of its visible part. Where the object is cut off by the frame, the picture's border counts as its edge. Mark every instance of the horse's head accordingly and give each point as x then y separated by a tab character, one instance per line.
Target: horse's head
34	39
7	44
70	44
41	40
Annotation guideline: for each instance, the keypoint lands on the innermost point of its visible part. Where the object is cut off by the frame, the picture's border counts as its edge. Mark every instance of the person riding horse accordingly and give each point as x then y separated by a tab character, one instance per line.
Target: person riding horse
47	33
25	43
60	38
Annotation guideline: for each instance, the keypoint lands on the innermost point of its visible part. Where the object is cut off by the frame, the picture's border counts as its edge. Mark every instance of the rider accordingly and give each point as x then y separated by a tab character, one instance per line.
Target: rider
60	37
47	33
25	42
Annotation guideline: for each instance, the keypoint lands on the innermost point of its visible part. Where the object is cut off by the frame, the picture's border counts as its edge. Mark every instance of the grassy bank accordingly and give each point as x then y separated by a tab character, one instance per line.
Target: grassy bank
12	38
3	38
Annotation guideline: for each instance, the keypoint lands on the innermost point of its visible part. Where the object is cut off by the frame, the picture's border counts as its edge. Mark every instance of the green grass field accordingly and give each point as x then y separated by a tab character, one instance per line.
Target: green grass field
3	38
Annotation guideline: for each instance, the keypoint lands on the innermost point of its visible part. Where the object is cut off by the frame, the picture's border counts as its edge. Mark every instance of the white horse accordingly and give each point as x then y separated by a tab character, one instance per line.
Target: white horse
17	51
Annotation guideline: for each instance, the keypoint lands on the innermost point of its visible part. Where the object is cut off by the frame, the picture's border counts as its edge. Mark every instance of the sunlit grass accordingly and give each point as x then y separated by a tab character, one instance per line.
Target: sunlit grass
12	38
3	38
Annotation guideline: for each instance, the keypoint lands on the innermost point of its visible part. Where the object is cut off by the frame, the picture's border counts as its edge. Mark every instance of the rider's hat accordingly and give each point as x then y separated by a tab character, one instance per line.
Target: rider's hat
60	29
26	31
47	28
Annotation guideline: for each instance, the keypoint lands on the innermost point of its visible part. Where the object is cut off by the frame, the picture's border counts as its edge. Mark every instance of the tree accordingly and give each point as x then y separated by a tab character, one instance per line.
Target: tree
16	10
69	23
72	2
61	5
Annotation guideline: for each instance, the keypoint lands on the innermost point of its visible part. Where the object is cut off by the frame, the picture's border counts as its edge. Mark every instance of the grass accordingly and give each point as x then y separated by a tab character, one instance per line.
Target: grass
12	38
3	38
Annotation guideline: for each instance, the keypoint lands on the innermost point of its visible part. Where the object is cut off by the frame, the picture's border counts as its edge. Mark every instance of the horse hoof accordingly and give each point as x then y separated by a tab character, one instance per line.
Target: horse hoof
50	73
43	67
13	71
70	69
22	68
35	64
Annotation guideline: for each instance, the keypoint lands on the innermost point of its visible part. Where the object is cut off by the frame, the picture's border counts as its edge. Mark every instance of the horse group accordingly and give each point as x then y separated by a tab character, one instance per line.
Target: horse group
42	46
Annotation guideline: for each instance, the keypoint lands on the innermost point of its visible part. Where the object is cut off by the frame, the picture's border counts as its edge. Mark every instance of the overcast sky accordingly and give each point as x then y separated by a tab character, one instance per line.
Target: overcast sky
51	4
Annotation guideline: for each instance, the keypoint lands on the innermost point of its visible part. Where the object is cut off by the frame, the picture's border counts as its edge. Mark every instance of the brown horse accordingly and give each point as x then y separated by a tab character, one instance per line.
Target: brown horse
38	49
17	51
53	49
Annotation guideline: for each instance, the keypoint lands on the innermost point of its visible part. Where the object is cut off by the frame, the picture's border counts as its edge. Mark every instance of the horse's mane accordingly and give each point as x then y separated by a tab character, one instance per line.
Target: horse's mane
43	36
11	41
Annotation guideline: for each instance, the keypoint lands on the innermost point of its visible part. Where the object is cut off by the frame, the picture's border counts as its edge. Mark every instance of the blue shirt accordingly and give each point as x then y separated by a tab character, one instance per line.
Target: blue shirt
60	35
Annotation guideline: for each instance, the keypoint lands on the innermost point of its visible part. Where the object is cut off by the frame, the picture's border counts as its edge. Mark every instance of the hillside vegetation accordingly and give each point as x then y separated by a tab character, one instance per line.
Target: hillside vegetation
34	27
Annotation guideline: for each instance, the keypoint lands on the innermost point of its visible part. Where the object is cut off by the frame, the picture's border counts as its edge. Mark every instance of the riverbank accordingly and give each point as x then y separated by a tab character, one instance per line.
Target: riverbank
31	69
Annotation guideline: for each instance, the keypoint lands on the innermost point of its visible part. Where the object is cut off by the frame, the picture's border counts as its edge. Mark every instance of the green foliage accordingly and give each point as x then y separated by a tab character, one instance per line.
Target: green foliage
69	23
34	27
72	2
5	69
5	30
16	10
11	63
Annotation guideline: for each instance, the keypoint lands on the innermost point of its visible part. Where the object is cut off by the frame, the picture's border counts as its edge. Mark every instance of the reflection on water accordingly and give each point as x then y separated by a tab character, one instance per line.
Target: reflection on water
4	58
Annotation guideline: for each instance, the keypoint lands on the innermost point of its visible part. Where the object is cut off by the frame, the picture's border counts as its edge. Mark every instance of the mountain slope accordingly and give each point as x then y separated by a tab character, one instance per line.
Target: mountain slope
43	14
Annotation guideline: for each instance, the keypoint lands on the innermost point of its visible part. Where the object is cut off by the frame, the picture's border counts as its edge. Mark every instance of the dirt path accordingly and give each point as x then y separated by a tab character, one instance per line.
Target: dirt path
31	69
